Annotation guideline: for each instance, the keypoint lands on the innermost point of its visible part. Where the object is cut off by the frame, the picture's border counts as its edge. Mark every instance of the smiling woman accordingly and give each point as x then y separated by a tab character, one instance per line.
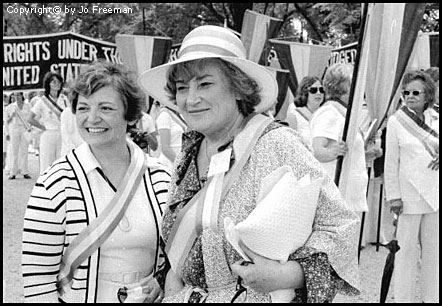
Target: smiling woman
228	151
102	239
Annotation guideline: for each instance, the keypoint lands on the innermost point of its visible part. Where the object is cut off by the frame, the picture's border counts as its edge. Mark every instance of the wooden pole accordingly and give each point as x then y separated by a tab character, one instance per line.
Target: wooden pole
352	90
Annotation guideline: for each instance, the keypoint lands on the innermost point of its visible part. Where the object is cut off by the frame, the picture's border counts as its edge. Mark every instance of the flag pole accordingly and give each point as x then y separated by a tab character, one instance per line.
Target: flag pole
352	90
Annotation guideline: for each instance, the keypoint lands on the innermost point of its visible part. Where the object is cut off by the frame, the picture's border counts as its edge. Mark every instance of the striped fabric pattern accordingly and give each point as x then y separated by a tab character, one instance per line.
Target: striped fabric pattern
140	53
56	213
256	30
301	60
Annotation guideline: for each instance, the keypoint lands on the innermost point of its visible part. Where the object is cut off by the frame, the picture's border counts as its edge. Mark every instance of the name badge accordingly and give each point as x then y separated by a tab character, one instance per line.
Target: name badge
220	162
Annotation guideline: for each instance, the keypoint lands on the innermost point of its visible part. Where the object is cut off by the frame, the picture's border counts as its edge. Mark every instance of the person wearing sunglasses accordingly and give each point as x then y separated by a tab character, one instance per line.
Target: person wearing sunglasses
412	188
310	96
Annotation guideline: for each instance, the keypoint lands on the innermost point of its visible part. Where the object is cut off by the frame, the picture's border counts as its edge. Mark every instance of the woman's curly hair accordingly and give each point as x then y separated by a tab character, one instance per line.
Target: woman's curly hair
426	80
101	74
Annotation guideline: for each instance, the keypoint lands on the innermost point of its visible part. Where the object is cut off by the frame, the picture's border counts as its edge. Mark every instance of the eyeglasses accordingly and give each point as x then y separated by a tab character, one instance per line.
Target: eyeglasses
314	90
414	92
241	291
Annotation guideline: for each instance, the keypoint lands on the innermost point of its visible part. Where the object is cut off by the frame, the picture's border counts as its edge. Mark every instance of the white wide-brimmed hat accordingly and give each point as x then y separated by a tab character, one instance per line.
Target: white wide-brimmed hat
212	42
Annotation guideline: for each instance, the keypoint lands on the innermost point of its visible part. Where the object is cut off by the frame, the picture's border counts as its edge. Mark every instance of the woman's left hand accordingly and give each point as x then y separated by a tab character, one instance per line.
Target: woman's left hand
266	275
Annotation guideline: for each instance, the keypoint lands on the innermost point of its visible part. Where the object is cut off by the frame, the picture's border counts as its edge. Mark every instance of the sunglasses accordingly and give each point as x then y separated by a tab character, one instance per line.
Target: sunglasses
314	90
414	92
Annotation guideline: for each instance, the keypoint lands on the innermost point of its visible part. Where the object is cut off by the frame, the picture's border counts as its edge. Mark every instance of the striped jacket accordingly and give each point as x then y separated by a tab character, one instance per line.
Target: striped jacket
61	205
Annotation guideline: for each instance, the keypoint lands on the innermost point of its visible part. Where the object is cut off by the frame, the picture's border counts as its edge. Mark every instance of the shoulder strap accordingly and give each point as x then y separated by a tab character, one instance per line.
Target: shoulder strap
20	116
92	237
52	105
416	127
303	114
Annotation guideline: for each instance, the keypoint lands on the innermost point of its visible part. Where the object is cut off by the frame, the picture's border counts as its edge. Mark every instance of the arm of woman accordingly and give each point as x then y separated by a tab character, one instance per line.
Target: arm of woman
42	244
328	259
31	119
173	284
391	168
326	150
165	144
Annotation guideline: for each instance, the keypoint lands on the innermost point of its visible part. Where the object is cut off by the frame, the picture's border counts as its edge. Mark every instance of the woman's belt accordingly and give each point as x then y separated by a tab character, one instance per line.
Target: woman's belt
123	278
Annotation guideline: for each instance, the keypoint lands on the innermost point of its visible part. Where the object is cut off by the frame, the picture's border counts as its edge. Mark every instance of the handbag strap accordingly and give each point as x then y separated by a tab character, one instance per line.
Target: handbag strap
93	236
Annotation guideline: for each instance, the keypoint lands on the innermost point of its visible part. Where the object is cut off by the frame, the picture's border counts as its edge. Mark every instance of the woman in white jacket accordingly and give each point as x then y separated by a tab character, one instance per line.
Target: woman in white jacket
412	188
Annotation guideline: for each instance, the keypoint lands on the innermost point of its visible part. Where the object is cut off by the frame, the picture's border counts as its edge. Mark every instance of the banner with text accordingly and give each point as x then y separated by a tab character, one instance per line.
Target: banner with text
345	54
26	59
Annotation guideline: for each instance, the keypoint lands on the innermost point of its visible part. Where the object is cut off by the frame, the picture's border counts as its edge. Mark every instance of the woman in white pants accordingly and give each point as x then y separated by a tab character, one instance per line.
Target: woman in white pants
412	188
48	110
17	128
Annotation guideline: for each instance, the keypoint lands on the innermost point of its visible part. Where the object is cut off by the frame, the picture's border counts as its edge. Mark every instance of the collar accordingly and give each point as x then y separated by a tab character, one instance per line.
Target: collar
87	158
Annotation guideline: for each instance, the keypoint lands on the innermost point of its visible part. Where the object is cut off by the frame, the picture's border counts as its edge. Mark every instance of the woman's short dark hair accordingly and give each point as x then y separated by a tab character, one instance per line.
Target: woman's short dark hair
241	83
101	74
47	82
302	94
427	81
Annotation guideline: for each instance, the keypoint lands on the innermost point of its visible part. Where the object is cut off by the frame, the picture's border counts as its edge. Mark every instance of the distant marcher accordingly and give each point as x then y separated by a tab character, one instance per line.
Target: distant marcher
45	115
15	116
327	127
170	127
412	188
310	96
70	137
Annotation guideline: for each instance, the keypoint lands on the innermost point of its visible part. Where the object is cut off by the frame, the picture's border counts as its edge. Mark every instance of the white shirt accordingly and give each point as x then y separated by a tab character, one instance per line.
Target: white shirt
70	137
45	115
328	122
16	122
166	121
406	163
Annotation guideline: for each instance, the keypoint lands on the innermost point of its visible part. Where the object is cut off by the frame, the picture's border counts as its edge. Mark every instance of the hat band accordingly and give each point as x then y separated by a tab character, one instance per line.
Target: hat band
220	47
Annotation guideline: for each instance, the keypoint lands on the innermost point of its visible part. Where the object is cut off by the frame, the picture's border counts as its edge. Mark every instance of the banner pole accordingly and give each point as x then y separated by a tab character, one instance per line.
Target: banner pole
352	90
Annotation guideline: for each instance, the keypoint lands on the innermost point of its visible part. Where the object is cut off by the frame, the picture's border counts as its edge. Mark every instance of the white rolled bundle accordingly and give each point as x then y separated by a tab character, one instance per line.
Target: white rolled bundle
281	222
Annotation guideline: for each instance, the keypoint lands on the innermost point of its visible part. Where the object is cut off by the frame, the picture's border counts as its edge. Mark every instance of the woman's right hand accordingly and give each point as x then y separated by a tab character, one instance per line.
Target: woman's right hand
396	206
339	148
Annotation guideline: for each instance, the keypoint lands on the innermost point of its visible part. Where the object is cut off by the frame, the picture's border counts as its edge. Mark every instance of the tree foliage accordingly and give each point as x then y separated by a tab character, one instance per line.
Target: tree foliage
325	23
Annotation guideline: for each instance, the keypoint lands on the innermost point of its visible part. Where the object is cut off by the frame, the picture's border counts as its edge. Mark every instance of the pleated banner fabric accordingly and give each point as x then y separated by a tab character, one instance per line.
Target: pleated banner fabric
256	30
426	51
393	29
301	60
284	95
140	53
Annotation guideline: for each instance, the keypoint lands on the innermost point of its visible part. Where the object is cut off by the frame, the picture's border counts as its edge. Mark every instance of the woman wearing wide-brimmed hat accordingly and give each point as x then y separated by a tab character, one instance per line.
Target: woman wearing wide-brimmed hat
228	149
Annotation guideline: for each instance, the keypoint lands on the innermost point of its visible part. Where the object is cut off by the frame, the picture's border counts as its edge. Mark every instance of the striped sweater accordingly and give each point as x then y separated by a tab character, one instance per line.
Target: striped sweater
59	208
